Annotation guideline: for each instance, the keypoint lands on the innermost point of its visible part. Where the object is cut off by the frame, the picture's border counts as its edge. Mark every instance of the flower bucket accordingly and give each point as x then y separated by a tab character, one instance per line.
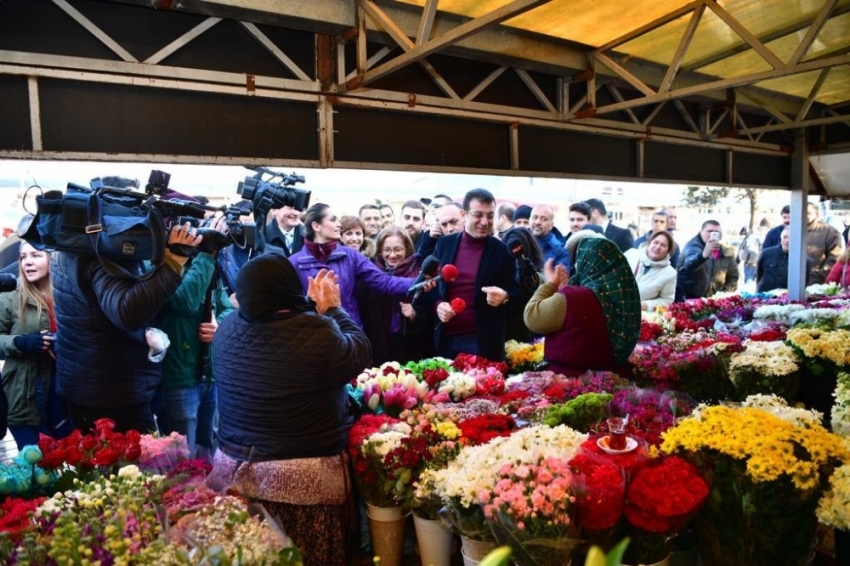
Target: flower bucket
435	542
387	528
476	550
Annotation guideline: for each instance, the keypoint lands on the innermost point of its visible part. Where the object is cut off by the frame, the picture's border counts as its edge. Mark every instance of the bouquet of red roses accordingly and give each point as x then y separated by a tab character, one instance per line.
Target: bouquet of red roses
100	452
484	428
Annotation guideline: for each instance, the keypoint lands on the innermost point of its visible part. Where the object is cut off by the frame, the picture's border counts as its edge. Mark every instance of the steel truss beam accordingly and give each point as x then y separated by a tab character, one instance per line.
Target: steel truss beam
419	50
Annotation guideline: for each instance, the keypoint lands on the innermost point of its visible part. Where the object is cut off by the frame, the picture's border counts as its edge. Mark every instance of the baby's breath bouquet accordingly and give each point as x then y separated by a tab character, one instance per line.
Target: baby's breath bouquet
767	469
765	367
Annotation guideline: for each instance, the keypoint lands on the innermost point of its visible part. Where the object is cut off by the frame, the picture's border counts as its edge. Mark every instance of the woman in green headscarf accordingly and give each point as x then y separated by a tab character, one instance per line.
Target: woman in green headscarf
591	320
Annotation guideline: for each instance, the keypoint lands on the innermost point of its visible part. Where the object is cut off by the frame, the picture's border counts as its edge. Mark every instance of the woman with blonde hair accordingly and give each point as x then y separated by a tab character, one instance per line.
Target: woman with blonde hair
27	326
353	235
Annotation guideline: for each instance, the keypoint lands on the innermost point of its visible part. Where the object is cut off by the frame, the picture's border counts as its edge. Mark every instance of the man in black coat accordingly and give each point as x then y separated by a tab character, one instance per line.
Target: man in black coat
286	231
774	234
485	283
694	269
599	216
772	268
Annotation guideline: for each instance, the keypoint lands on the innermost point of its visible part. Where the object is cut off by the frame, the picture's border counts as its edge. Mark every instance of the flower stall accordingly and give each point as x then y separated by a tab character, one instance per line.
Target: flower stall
731	424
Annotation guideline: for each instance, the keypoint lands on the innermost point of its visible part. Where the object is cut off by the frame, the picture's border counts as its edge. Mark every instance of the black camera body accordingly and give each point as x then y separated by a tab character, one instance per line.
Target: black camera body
266	194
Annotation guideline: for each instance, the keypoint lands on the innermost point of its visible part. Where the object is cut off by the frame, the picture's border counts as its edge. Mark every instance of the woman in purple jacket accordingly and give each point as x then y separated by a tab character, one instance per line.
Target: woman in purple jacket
322	251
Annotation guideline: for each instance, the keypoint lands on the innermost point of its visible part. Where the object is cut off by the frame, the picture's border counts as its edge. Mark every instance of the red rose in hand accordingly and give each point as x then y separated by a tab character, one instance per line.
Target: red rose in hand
458	305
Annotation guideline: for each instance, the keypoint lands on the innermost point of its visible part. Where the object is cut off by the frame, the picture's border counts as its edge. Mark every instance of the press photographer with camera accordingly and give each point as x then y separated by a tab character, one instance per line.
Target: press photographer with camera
103	368
186	401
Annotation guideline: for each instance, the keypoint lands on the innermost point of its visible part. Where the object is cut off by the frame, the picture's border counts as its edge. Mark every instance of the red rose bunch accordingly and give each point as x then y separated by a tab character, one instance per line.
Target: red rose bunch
663	495
484	428
458	305
769	334
466	362
101	448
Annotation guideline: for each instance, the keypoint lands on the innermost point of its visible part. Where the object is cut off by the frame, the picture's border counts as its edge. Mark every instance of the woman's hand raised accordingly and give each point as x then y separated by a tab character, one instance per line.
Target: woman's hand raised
324	290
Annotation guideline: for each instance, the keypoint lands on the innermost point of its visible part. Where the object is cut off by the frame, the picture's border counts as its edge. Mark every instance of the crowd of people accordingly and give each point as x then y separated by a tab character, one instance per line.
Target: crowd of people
267	339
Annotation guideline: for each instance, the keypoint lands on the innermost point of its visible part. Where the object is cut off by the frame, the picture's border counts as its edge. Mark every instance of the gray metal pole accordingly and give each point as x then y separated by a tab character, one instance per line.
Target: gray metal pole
799	198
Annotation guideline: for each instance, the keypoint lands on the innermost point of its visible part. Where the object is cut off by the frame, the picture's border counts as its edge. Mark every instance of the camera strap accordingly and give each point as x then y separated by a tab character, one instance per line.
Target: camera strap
95	227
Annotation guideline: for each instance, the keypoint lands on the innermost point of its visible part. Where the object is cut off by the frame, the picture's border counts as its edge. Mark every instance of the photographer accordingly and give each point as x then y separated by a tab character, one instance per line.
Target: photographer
186	401
103	368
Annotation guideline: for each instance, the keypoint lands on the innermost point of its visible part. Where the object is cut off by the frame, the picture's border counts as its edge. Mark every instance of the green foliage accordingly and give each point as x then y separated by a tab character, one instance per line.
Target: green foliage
703	197
582	413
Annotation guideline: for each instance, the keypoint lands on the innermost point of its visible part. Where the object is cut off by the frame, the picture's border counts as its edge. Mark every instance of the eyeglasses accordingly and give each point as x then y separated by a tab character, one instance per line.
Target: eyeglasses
452	222
396	251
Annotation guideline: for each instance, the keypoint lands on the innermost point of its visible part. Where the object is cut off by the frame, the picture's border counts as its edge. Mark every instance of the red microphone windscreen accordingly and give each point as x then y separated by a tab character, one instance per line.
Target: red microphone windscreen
449	272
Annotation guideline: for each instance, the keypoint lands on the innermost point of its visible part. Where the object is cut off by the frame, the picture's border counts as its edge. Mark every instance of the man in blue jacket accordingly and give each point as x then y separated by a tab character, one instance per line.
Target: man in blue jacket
485	283
542	226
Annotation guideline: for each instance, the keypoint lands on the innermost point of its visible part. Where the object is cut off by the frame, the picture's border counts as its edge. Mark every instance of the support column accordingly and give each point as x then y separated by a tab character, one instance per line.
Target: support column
799	199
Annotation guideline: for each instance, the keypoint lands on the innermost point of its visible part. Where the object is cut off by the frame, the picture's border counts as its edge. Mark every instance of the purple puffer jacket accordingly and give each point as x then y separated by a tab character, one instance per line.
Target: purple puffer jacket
351	266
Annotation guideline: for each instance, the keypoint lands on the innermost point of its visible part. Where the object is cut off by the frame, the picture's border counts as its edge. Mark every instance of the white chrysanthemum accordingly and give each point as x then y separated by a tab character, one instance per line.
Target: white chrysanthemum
813	316
828	289
834	507
476	467
384	442
841	410
776	312
767	358
778	407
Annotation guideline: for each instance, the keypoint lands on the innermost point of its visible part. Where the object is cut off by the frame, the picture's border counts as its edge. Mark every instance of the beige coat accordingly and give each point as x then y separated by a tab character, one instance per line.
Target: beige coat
657	285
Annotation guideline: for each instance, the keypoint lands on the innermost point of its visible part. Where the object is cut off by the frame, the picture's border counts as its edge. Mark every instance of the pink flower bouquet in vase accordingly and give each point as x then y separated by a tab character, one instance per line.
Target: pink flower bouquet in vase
532	510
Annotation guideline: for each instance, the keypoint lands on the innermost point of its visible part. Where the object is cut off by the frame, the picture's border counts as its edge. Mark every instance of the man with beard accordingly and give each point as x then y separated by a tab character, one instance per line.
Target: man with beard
412	220
542	224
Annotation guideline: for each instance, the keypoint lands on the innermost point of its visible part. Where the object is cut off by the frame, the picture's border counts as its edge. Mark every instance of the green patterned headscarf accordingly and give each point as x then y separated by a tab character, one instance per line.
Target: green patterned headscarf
601	267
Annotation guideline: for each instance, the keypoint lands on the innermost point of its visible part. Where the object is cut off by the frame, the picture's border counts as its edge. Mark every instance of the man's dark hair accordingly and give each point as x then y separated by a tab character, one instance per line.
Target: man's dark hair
119	182
581	208
383	206
660	213
597	205
506	209
441	195
367	207
414	204
707	222
482	195
316	213
786	209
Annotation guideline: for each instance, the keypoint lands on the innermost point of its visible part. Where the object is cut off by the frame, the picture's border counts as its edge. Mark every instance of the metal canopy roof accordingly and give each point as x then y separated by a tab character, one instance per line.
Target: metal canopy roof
698	91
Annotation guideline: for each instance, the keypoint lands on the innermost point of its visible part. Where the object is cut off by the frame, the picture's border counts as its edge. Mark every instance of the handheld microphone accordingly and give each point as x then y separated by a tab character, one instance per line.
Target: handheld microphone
448	273
430	267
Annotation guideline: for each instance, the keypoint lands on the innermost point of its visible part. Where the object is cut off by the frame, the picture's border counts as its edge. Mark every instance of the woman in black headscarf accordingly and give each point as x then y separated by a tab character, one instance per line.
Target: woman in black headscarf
281	367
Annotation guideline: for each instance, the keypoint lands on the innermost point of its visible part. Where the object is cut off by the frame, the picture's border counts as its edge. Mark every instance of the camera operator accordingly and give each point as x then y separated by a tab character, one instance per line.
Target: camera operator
186	401
103	368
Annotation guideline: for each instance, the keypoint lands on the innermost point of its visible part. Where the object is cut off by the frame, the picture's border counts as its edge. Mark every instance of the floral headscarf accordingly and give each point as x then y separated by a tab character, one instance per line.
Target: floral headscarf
601	267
